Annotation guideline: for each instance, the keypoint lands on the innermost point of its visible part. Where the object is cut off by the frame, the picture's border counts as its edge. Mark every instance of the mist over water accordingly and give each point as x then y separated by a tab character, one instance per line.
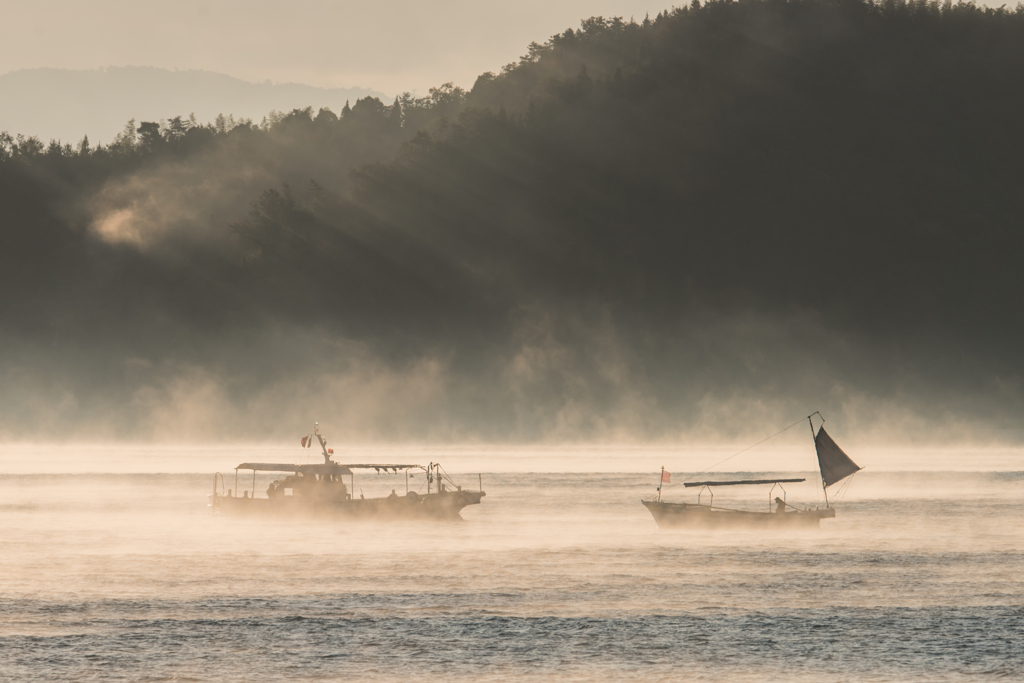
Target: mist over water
645	244
116	571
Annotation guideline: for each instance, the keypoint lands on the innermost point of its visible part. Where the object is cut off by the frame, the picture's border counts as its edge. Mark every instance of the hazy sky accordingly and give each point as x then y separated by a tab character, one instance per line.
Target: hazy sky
387	45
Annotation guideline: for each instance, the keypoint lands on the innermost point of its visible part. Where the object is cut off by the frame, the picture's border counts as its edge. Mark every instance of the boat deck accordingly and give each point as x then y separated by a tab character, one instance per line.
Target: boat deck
444	505
695	516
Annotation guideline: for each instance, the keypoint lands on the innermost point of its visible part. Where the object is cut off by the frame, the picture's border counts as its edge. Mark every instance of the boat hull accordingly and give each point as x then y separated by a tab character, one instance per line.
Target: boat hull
689	516
434	506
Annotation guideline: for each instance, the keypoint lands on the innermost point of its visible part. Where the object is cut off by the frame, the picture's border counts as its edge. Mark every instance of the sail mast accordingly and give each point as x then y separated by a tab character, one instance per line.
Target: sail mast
814	439
834	464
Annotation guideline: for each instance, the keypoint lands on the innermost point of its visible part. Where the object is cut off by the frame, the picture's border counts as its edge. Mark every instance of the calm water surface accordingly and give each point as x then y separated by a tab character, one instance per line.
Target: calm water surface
124	576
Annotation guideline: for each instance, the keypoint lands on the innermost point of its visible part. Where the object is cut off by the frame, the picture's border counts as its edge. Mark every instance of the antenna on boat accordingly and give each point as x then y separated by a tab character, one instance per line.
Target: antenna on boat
666	478
323	443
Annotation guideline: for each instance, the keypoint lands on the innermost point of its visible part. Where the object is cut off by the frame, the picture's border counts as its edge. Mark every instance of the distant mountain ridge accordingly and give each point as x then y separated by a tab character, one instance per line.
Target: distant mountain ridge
66	104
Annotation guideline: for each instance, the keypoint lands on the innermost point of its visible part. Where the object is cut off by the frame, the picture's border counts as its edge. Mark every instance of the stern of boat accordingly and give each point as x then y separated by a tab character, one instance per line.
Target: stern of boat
449	504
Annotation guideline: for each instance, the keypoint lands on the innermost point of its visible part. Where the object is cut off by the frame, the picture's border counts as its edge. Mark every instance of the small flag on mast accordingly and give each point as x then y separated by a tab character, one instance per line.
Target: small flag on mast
666	477
304	439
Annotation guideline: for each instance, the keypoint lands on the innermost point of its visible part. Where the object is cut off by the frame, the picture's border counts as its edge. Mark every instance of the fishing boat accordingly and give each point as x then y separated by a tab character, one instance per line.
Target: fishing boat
320	489
833	464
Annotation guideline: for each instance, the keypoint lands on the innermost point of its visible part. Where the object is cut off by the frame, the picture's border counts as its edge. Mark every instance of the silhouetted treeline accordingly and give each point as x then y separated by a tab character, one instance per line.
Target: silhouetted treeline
807	202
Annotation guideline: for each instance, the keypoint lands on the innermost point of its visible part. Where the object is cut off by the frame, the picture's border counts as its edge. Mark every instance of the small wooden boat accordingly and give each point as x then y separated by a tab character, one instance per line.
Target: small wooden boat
320	489
833	463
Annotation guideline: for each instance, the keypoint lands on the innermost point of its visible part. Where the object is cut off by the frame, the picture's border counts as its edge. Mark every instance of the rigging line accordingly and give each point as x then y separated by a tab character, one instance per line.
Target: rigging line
743	451
845	487
448	477
837	497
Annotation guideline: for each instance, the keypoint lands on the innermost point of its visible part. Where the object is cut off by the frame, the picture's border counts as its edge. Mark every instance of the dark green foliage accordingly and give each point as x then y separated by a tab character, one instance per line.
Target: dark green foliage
855	166
862	160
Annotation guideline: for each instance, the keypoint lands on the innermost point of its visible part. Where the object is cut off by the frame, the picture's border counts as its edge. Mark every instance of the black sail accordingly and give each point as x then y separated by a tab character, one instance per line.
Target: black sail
835	465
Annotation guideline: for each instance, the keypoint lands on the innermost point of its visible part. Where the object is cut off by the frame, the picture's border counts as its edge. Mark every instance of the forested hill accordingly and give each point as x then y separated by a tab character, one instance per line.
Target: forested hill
692	226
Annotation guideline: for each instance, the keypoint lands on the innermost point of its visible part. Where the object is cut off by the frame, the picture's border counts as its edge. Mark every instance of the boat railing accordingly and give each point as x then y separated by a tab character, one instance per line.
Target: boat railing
709	488
784	503
437	474
711	494
437	480
218	476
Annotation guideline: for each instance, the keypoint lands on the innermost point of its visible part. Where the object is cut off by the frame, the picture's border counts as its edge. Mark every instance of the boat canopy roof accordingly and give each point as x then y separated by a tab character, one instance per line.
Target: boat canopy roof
284	467
383	467
742	482
328	468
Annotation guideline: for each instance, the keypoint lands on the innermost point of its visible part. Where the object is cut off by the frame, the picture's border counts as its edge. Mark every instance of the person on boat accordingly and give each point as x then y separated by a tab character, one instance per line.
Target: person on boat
780	505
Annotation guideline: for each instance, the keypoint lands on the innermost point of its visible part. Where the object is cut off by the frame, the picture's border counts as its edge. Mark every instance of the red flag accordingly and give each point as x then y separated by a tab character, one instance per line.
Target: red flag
304	441
666	477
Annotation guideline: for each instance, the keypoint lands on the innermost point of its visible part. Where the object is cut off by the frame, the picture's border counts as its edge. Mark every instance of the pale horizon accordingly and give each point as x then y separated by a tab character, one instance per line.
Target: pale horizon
392	47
